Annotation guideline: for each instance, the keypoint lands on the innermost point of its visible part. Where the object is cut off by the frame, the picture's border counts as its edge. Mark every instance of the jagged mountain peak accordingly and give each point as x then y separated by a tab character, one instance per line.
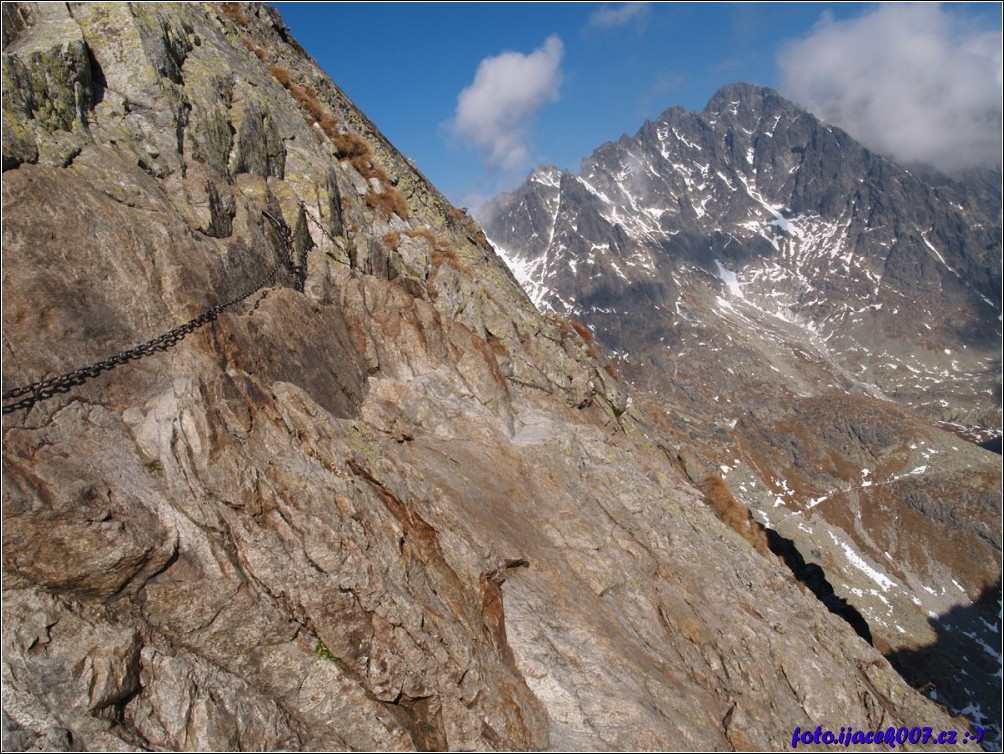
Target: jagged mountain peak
547	175
743	97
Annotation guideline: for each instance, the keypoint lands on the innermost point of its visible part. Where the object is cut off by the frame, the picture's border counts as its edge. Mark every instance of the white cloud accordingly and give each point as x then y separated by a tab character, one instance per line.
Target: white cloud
607	16
916	82
496	111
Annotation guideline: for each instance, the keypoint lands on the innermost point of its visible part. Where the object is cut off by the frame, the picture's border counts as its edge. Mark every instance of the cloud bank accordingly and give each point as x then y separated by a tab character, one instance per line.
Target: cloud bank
607	17
496	111
912	81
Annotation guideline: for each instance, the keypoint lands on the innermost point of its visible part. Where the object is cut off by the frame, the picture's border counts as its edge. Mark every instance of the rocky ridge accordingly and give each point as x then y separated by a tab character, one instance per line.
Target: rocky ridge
757	199
824	326
381	502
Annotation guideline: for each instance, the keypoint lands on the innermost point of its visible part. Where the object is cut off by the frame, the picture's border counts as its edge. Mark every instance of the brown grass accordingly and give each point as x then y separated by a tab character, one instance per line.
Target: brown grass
392	240
449	257
562	324
437	243
352	147
234	11
306	97
328	124
252	47
612	371
567	326
387	202
369	169
348	146
731	512
280	74
443	253
584	332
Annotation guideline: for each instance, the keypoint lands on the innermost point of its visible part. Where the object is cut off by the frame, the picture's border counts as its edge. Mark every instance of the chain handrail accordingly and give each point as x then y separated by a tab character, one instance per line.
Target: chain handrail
53	386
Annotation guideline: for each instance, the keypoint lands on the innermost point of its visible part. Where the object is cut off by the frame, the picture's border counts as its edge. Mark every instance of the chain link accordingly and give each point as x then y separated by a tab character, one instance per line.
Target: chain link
326	234
53	386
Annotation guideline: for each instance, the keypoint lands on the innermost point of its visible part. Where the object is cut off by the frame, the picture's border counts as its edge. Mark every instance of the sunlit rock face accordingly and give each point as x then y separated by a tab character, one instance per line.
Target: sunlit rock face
379	502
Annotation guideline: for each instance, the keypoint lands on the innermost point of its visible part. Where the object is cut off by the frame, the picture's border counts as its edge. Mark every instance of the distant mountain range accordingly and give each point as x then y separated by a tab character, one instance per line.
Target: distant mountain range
815	316
754	216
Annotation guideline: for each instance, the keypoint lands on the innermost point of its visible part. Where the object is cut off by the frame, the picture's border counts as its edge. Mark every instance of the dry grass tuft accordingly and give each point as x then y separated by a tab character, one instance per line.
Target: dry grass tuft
584	332
352	147
252	47
443	253
328	124
280	74
567	326
571	328
448	256
437	243
392	240
234	11
306	97
348	146
387	202
731	512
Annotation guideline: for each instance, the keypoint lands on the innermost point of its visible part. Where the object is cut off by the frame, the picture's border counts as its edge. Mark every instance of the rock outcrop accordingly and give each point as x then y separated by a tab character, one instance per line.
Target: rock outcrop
376	502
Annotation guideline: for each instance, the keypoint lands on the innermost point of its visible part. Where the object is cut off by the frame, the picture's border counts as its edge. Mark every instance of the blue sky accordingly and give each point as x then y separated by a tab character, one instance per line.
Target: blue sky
557	80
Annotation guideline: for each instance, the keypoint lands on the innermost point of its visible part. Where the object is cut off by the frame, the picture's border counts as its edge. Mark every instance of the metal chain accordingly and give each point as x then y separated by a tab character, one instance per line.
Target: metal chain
324	231
549	391
53	386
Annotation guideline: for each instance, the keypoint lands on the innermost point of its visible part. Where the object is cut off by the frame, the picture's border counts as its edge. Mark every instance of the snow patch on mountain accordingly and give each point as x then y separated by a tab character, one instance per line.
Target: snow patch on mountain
530	274
730	279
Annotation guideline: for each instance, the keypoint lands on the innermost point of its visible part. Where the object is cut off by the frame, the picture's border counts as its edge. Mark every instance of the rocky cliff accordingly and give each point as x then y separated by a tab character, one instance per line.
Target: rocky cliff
368	497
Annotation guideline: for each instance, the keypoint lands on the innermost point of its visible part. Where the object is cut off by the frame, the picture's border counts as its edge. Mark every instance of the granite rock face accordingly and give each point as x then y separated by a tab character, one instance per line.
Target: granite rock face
380	502
825	327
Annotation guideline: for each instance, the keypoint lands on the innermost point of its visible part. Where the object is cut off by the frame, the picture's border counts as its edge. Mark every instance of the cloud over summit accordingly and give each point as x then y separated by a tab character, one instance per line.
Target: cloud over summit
496	111
609	17
912	81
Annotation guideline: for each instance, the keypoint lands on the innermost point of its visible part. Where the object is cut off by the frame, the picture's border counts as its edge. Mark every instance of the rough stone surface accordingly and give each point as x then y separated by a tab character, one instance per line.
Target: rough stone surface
392	514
